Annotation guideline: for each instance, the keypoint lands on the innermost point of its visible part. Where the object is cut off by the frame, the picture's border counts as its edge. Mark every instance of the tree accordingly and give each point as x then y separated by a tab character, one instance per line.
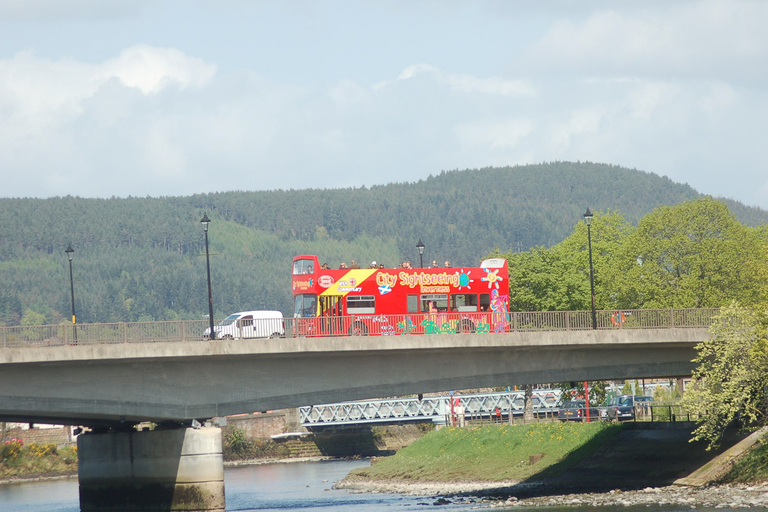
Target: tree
693	255
731	379
557	278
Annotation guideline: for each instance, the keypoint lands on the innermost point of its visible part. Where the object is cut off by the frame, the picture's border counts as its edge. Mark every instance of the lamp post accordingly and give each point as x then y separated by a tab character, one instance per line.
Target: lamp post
420	247
205	221
70	253
588	220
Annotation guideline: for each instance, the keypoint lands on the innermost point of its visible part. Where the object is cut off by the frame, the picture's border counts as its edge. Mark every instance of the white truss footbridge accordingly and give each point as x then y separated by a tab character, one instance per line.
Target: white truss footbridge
435	409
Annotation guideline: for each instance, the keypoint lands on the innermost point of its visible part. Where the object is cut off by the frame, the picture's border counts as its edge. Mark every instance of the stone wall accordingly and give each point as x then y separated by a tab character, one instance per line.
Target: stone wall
60	436
265	425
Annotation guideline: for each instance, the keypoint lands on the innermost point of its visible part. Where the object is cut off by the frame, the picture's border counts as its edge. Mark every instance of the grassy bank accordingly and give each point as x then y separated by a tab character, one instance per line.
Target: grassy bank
750	468
491	453
35	460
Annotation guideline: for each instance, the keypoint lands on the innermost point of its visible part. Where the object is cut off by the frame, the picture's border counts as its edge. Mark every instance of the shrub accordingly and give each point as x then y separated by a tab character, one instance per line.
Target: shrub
10	450
41	450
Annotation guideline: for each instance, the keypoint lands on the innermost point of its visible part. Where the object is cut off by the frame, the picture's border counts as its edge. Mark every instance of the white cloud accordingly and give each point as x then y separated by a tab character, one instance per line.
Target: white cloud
494	85
152	69
710	38
676	88
416	69
494	135
582	122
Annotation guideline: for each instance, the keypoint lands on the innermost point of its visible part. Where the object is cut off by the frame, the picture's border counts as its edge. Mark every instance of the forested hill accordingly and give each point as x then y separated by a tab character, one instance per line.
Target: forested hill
143	258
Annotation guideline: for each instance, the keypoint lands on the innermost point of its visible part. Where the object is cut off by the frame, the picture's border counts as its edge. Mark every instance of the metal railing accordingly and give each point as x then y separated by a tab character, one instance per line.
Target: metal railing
662	412
435	409
361	325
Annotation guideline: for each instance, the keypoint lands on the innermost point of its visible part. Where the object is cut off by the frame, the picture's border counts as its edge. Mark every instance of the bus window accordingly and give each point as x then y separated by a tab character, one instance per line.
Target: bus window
305	306
361	304
303	267
485	302
440	301
464	302
413	304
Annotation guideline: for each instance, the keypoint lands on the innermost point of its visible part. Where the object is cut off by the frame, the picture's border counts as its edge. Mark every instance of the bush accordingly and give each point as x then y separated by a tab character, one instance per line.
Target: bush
41	450
237	446
10	450
35	459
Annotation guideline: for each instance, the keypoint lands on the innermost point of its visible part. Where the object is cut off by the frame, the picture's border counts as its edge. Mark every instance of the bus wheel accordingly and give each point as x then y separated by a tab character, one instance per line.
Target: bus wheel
227	337
358	329
276	335
465	326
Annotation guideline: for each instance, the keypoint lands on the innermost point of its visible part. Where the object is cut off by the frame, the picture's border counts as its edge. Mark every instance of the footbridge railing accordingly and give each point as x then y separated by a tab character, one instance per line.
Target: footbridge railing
435	409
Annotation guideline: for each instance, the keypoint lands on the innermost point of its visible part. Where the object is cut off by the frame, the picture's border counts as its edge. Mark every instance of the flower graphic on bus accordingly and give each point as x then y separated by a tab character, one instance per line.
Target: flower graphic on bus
464	280
492	277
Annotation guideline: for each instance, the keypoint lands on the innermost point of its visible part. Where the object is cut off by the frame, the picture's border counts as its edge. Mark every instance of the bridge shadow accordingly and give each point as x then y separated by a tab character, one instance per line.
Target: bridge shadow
641	455
357	441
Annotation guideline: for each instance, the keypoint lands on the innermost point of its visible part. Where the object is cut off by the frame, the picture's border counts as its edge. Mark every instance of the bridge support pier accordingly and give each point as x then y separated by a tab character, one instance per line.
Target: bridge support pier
159	470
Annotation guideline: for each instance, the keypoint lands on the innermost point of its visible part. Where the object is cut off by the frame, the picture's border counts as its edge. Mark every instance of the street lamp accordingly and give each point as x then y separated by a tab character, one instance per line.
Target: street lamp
70	253
588	220
420	247
205	221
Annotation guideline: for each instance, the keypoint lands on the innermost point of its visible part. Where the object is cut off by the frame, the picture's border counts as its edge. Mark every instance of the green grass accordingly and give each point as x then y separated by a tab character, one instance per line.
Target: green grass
751	468
490	453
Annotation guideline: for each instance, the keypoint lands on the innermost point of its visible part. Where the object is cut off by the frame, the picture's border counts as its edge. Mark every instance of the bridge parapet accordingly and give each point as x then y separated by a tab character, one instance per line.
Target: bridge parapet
192	331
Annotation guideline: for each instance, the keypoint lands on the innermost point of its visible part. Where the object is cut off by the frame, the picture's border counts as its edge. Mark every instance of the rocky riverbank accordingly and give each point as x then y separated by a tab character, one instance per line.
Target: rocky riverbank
718	496
638	467
511	494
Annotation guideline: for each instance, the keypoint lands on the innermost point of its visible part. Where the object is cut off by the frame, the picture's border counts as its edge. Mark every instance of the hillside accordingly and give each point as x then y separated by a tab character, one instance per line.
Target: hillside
143	258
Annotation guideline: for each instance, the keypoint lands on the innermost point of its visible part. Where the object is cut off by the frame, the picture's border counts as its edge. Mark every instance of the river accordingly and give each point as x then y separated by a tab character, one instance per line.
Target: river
305	486
268	487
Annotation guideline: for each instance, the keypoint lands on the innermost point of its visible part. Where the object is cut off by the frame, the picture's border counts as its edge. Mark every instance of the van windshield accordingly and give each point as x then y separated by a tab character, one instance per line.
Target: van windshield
229	320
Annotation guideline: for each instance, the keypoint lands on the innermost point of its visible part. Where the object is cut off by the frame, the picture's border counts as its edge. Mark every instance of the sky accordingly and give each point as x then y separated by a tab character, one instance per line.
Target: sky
107	98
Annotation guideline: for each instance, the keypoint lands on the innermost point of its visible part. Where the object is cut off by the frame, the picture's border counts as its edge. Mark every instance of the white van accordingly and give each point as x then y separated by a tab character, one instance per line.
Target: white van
249	324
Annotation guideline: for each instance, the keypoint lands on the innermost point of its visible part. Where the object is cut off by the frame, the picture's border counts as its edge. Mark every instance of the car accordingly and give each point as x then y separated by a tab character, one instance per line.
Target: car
627	407
249	324
608	404
576	410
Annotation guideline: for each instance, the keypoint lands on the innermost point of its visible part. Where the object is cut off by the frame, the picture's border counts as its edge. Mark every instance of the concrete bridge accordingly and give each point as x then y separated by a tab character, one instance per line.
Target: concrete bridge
111	387
129	383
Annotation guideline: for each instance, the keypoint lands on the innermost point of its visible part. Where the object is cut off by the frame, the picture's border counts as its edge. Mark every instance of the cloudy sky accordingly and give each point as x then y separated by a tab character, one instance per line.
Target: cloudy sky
154	98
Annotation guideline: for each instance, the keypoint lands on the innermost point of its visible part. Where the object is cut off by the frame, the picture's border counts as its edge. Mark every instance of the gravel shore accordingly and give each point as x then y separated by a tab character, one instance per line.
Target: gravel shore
511	494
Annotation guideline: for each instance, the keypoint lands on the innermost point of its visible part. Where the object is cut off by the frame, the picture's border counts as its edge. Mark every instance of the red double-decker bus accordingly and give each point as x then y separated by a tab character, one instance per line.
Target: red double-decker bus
392	301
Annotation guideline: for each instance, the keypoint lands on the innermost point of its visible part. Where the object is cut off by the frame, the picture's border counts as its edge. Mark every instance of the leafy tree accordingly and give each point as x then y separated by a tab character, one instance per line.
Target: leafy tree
692	255
557	278
597	391
32	318
731	381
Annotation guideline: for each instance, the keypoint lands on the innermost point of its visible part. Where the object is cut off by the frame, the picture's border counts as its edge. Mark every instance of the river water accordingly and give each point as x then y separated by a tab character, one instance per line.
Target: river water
300	486
305	486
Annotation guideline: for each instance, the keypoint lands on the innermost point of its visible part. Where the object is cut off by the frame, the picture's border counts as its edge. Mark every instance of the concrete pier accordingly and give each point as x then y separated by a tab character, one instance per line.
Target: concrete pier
151	471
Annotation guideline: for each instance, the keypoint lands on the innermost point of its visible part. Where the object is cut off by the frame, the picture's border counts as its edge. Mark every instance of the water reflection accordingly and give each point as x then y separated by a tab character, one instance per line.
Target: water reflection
44	496
277	487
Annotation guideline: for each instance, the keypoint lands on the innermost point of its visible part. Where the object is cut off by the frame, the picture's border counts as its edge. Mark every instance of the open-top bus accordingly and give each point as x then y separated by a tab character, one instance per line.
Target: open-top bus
392	301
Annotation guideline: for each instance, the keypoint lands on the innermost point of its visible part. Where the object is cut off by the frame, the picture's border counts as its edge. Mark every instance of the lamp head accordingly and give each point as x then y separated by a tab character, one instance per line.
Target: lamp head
588	217
205	221
420	246
70	251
